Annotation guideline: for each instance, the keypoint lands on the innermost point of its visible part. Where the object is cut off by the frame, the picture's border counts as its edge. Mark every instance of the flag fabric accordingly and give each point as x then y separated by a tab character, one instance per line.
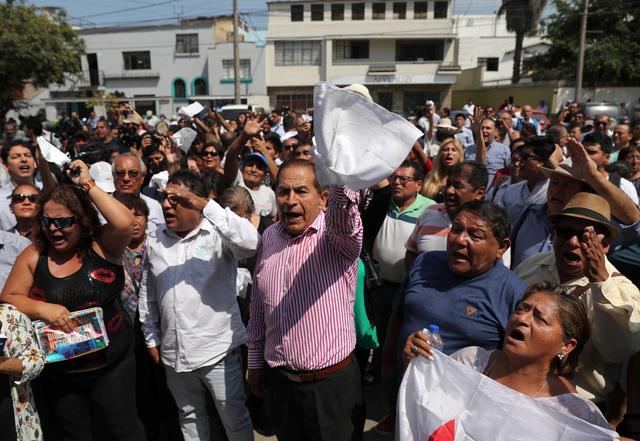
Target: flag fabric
444	400
357	142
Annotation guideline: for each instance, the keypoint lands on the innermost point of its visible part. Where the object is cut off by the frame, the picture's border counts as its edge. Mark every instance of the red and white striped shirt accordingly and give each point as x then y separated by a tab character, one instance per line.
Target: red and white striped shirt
304	290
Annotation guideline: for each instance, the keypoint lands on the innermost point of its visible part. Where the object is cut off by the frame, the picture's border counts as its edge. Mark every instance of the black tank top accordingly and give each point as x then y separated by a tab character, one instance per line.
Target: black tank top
98	283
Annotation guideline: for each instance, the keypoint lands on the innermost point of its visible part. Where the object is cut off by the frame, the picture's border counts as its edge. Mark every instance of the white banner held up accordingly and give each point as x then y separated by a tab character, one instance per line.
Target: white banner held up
51	153
444	400
358	143
184	138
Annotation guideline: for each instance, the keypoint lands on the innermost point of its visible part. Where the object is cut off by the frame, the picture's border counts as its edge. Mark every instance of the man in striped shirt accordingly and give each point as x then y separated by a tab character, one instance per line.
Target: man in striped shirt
301	331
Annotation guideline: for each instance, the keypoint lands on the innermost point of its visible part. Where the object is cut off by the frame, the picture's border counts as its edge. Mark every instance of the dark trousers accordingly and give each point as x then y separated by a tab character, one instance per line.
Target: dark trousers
382	298
79	403
326	410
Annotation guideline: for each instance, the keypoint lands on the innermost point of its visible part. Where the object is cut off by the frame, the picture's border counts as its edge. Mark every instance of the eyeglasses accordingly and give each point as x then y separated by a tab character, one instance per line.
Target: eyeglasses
162	196
133	174
602	123
18	198
403	179
60	222
213	154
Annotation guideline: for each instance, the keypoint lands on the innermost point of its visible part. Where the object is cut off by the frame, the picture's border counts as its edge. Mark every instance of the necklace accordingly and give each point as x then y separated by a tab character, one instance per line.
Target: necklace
492	361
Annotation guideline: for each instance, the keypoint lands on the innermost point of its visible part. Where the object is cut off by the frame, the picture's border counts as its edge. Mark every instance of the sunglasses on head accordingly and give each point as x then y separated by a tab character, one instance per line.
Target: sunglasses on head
17	198
59	222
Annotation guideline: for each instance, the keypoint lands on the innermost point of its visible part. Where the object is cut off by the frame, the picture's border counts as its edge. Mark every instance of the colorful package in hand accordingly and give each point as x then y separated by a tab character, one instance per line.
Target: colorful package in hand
88	335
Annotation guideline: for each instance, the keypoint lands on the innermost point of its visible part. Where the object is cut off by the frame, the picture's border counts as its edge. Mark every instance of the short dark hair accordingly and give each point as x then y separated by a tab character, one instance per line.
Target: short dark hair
296	162
574	320
6	148
627	151
416	166
541	146
495	216
189	179
605	142
274	139
475	172
214	182
76	200
216	146
34	124
134	203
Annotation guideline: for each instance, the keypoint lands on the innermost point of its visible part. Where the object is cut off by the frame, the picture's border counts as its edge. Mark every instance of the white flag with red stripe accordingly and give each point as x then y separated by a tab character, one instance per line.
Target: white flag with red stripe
444	400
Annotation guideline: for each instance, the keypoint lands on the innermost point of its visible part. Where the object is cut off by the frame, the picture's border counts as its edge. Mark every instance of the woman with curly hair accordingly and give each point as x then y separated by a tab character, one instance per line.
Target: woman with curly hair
75	263
451	153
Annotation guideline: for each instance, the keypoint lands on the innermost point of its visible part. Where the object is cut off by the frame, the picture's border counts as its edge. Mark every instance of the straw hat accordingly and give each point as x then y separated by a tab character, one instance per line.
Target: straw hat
590	207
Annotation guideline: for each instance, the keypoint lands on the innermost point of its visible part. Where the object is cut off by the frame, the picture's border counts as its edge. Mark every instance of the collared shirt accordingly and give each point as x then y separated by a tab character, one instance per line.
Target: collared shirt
187	300
613	307
465	136
517	197
11	245
530	234
498	156
304	290
395	230
156	217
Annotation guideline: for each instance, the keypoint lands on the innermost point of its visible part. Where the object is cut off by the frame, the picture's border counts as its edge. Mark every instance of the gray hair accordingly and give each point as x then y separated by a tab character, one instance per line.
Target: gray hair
143	166
237	198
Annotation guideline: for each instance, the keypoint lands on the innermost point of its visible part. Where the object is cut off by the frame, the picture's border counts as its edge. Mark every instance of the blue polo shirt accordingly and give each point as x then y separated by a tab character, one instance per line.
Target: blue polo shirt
470	311
498	156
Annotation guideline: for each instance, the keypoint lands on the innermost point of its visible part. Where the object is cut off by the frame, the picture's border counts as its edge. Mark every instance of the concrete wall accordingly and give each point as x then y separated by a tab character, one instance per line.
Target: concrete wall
495	96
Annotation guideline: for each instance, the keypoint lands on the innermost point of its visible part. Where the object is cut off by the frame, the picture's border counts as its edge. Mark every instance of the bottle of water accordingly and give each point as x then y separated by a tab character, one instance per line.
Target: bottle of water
434	337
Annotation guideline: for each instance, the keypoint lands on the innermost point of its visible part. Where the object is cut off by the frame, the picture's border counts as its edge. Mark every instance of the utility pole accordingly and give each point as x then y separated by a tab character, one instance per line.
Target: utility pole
236	55
583	38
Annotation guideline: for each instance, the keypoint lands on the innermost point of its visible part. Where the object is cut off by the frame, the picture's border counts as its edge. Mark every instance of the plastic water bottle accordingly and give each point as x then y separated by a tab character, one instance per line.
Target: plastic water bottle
434	337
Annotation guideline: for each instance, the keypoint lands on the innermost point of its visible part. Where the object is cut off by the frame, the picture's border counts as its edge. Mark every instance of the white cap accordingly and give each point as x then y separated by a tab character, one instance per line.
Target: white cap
288	135
360	90
102	173
429	103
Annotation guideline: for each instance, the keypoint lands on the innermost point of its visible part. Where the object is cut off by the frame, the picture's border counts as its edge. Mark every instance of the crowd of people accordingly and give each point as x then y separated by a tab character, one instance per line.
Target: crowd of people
239	294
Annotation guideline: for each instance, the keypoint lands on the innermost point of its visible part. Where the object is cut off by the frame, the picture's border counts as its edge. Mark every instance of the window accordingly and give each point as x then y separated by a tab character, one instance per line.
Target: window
297	12
295	102
317	12
440	9
179	88
419	50
385	99
357	11
420	10
337	12
378	11
228	71
186	43
137	60
399	11
351	49
491	64
297	53
199	87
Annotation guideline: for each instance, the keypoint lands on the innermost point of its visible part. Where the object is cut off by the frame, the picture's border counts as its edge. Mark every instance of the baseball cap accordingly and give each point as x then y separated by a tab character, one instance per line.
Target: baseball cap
102	173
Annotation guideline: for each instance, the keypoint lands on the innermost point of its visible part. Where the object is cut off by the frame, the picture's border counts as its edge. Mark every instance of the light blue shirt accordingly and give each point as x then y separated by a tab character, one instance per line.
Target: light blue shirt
11	245
498	156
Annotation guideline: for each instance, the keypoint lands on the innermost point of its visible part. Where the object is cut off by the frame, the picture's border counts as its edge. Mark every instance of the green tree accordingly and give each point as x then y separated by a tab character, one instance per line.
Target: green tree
38	48
523	17
612	43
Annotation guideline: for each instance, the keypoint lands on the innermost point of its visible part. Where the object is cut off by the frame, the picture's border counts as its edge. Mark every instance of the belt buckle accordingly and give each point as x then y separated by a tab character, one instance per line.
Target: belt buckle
292	377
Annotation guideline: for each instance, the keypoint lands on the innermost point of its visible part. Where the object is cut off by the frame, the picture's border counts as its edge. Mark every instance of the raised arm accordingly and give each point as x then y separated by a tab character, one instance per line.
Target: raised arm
481	148
344	226
115	235
232	160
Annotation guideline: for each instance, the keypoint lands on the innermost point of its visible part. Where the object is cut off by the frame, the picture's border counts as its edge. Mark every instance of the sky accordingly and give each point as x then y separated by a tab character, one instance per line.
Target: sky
92	13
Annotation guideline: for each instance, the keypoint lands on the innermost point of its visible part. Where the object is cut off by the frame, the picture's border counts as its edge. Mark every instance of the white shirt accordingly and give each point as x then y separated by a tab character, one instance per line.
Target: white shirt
423	123
264	200
156	217
629	189
187	298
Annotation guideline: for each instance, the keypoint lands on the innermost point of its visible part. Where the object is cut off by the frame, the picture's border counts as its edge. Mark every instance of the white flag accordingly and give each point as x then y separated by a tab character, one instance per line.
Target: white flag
358	143
51	153
184	138
444	400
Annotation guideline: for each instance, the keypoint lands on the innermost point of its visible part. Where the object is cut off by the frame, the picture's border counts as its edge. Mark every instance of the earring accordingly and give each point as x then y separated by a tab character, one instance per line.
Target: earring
560	356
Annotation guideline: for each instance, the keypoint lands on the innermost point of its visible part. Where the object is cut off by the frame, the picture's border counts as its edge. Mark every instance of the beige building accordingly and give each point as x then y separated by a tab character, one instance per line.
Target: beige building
405	52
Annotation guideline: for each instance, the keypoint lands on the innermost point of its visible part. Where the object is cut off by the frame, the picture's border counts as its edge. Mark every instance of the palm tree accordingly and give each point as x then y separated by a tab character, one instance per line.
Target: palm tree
523	17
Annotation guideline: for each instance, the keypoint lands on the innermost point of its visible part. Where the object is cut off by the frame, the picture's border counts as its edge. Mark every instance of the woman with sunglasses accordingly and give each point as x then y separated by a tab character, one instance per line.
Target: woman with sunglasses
212	157
75	263
24	206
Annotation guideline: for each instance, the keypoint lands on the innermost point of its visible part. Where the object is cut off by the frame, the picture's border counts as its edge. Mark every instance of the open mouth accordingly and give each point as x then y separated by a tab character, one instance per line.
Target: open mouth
24	168
517	334
292	217
459	255
571	258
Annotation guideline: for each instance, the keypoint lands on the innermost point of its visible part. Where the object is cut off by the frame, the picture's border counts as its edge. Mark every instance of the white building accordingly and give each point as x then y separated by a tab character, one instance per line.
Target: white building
161	68
484	41
403	51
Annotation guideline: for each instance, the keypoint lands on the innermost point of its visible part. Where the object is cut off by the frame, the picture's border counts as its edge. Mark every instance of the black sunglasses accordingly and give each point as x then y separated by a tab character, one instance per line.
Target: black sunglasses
60	222
17	198
567	233
204	154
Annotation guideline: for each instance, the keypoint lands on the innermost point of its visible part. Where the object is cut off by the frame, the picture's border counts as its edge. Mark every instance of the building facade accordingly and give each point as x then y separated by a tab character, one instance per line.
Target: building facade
405	52
162	68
